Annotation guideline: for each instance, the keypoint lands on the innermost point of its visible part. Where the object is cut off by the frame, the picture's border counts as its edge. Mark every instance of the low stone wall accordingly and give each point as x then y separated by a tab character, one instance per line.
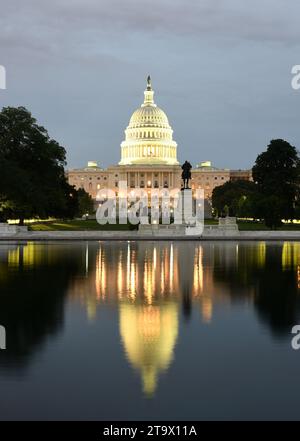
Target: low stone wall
265	235
161	230
6	229
134	235
227	227
226	230
10	230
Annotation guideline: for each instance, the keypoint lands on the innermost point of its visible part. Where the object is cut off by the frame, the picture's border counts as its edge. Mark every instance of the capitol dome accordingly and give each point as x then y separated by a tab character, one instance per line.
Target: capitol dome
149	136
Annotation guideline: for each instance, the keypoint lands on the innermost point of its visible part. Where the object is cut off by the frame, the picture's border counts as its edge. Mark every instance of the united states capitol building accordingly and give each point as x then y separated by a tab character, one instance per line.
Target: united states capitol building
149	158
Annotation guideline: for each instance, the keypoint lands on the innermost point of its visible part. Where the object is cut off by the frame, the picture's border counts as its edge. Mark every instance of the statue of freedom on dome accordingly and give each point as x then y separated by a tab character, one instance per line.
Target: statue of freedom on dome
149	87
186	174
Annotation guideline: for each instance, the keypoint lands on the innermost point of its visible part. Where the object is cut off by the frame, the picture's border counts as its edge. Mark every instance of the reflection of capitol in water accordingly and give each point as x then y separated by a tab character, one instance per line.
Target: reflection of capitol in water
149	335
152	282
153	285
148	273
135	272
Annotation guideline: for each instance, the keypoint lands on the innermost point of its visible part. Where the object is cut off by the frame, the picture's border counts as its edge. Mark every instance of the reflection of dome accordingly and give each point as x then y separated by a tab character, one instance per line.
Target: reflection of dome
148	137
149	334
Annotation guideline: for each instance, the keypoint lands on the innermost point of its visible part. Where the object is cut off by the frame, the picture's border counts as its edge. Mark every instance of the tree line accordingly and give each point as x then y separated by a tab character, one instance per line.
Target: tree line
33	182
273	195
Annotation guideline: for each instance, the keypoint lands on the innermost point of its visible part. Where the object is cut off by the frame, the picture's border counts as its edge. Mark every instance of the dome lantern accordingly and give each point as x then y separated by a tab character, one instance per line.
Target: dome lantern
149	93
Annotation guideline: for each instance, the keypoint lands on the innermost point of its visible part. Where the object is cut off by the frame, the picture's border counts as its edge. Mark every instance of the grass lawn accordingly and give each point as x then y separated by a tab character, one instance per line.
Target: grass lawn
77	225
260	226
84	225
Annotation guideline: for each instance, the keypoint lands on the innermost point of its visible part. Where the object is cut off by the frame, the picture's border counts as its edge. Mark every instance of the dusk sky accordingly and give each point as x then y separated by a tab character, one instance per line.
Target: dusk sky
221	70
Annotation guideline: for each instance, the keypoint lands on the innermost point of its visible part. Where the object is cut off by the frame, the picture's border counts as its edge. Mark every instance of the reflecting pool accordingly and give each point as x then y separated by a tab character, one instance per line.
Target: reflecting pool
149	330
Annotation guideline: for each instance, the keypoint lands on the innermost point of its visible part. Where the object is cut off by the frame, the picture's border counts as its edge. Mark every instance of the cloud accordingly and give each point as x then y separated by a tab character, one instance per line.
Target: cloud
79	66
40	23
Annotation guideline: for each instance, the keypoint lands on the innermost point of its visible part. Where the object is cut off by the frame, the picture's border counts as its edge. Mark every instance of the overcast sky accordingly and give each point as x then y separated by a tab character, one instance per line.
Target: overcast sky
221	70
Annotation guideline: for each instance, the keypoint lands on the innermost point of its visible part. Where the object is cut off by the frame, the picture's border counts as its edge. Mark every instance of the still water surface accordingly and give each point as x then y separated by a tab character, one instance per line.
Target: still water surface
142	330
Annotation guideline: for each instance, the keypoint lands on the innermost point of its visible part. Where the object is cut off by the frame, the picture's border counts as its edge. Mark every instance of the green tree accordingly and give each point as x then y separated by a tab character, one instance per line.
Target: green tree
32	175
234	198
276	172
85	203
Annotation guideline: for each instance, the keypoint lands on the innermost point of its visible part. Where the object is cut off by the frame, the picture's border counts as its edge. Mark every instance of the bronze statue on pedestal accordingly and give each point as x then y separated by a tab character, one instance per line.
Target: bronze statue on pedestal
186	174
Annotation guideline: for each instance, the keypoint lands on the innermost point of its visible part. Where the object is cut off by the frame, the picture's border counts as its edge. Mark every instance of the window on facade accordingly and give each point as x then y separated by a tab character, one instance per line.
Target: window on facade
155	184
142	184
116	183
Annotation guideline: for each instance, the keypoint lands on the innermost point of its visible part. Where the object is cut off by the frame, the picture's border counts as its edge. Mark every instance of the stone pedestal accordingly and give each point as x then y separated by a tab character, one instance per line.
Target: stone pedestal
227	227
228	224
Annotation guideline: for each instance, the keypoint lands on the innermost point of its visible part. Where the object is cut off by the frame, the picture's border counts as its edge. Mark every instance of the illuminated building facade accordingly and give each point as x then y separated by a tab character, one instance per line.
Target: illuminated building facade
149	158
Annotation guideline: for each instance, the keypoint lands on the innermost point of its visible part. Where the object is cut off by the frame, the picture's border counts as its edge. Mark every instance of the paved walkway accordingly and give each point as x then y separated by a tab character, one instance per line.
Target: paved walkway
135	235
